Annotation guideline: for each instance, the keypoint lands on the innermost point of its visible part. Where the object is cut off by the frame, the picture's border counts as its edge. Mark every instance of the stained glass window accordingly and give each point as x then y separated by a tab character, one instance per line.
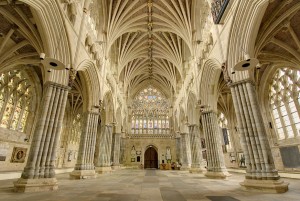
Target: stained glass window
284	102
151	107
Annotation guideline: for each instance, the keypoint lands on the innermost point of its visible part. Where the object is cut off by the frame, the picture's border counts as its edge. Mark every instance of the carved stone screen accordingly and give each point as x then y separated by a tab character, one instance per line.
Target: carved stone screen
290	156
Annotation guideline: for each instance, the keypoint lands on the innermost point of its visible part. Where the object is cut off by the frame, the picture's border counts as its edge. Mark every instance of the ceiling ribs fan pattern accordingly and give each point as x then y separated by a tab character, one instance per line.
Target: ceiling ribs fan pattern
147	38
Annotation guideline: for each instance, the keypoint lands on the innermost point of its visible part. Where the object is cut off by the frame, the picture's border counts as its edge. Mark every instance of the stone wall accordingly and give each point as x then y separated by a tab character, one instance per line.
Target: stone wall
10	139
141	146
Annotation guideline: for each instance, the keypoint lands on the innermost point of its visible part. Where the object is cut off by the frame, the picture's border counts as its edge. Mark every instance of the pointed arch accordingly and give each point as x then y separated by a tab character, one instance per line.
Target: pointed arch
209	78
90	79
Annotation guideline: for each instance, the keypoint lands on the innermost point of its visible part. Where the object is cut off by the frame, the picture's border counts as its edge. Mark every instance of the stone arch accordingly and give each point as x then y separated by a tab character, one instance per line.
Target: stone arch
53	33
210	76
91	83
243	34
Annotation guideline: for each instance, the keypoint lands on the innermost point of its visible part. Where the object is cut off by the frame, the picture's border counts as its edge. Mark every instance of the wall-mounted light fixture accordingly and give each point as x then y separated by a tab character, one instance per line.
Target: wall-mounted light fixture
246	64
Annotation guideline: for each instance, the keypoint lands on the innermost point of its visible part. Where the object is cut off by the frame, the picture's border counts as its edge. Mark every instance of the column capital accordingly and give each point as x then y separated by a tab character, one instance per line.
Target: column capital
56	85
192	125
233	84
208	111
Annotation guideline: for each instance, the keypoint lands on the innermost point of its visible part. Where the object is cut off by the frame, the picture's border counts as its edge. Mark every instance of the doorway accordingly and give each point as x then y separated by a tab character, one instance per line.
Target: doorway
151	158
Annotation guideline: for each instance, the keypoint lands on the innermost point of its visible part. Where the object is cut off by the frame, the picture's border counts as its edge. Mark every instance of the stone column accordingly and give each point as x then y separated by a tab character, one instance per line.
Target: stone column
116	151
215	158
178	148
104	161
260	173
84	168
39	174
186	151
196	152
122	148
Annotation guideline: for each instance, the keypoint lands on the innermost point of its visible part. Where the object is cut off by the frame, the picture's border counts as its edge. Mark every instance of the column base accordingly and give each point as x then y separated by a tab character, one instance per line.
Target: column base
270	186
116	167
196	170
103	170
217	175
185	167
83	174
35	185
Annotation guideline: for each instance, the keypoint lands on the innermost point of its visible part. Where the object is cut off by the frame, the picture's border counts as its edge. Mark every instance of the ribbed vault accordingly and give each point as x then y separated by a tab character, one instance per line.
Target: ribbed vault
146	39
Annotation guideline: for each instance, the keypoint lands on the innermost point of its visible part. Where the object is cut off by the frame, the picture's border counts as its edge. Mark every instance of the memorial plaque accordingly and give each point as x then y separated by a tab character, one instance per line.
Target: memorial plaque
18	155
290	156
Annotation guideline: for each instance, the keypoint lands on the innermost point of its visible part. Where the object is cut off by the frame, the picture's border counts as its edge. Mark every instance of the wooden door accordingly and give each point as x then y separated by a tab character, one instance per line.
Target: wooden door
151	158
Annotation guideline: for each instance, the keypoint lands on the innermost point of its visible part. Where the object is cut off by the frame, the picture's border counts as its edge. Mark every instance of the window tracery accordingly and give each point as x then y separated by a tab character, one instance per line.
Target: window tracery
284	102
150	112
15	99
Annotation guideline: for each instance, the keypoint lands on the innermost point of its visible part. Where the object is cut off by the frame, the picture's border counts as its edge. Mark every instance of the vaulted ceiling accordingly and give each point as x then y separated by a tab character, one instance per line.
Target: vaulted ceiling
278	38
148	41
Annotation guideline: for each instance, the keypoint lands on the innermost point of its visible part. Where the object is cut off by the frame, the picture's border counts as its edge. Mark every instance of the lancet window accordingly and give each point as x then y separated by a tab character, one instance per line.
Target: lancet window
285	102
150	112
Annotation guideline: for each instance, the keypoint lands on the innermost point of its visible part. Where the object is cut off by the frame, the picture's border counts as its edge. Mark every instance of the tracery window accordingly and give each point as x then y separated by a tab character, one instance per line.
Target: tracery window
15	99
284	101
223	123
150	112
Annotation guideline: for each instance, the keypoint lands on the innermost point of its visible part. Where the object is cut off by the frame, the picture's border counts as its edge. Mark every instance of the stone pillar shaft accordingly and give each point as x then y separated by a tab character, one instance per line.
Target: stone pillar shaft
186	151
196	153
117	146
84	167
260	172
252	132
122	148
178	149
42	155
215	158
43	149
105	146
85	158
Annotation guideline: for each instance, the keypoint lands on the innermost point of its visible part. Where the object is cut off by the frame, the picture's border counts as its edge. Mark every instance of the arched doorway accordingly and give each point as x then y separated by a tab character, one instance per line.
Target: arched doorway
151	158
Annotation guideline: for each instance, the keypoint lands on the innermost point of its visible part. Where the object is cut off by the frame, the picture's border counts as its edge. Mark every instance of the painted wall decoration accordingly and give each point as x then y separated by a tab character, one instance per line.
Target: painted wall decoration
18	155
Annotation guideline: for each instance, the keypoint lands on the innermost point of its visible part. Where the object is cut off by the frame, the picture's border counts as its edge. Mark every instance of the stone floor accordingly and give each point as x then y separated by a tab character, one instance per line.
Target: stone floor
149	185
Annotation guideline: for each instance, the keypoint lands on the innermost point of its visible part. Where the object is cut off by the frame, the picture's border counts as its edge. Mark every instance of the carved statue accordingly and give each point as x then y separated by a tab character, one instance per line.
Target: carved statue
226	73
72	76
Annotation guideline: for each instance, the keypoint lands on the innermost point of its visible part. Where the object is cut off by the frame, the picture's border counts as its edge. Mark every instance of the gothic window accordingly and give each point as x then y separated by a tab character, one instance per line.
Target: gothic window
151	107
15	99
223	123
284	102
